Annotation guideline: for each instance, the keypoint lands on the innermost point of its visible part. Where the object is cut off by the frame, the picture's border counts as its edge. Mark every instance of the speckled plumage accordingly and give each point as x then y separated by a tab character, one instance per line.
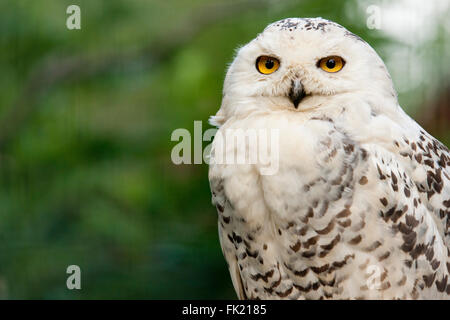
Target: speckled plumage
359	207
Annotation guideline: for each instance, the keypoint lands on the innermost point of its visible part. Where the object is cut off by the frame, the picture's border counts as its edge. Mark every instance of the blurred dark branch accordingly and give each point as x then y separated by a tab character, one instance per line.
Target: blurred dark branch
54	70
435	115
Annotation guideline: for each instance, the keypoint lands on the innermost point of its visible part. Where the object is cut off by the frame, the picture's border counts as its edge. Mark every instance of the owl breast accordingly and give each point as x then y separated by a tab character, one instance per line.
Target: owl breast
320	226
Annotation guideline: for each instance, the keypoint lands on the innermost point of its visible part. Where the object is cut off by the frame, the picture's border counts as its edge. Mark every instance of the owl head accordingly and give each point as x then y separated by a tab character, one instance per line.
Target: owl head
299	64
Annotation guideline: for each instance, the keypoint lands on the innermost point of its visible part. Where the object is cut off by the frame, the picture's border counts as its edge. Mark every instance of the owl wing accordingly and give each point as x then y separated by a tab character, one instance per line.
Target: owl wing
429	160
226	240
367	206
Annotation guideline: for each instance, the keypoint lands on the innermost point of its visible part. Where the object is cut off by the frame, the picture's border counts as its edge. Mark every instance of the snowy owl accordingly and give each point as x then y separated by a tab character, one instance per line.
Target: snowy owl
359	204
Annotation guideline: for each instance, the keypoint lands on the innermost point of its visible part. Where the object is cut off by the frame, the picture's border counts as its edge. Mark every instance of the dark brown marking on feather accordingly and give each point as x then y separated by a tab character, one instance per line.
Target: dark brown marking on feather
363	180
409	241
384	275
324	209
429	163
435	264
265	277
298	273
402	281
394	178
403	228
380	173
373	246
301	273
253	254
399	213
321	269
328	283
407	192
296	247
419	143
442	162
429	254
344	213
311	241
384	201
308	254
237	238
411	221
242	256
418	251
384	286
384	256
364	154
355	240
273	286
303	289
441	285
331	245
309	214
327	229
405	154
302	231
336	181
323	118
386	215
418	157
345	223
429	279
349	148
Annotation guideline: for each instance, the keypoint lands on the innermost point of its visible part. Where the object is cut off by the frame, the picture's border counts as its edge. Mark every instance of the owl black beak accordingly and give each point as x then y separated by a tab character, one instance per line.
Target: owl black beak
296	94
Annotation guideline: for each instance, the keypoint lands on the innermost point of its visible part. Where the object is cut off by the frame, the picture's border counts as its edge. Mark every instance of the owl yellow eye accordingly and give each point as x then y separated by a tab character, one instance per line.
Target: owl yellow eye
331	64
267	65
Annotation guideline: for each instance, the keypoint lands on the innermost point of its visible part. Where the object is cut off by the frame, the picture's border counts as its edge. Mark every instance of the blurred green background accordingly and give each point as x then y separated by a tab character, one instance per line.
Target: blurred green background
86	118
